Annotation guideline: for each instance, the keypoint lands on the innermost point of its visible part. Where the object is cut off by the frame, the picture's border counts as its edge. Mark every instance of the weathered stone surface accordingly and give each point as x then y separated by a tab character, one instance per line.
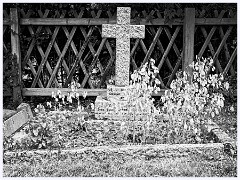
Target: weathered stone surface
8	113
17	120
210	151
115	109
25	106
123	31
116	92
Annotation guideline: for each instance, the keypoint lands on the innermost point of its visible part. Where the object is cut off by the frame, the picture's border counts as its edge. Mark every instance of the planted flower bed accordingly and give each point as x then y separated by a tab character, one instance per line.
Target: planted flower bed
180	122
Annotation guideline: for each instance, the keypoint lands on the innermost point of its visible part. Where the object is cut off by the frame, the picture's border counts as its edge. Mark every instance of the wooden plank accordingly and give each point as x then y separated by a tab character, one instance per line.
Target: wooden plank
100	21
65	91
15	45
188	39
230	62
216	21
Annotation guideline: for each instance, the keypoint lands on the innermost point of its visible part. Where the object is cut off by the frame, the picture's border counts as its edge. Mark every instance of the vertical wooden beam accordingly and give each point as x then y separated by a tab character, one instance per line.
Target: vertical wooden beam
15	44
188	39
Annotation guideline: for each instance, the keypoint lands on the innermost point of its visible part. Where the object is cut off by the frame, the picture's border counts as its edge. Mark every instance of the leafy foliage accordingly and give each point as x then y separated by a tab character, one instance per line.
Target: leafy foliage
190	102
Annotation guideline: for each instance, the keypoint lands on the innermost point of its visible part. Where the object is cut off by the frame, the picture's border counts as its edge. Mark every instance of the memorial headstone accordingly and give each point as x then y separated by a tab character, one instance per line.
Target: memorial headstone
114	106
13	120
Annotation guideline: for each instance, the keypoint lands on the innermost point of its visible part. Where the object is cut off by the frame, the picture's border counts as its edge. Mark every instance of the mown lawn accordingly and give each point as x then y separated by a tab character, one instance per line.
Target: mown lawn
123	166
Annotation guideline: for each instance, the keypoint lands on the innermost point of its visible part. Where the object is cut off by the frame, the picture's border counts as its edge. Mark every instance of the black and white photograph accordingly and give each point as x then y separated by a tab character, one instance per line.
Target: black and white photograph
119	89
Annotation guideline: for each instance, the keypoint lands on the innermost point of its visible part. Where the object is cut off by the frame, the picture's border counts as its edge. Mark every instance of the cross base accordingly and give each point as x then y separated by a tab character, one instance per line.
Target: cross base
115	106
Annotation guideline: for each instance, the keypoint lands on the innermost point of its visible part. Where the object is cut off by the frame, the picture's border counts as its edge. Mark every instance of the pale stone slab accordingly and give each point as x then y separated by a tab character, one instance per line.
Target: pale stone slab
114	109
213	151
8	113
116	92
109	30
17	120
123	15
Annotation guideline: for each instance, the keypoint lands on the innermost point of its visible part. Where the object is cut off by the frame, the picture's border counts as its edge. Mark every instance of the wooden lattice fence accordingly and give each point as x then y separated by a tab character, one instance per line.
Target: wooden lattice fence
62	48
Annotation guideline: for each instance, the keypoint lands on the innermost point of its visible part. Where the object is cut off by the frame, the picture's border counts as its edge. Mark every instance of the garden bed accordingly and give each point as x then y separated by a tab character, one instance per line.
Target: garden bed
82	134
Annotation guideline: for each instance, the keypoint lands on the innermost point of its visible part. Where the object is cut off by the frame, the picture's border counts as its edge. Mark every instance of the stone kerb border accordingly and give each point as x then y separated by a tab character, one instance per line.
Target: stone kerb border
210	150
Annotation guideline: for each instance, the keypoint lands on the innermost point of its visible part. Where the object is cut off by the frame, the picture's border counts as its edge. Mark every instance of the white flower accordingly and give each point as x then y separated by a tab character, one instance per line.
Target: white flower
53	95
94	71
49	104
58	92
84	94
157	81
152	60
226	85
92	106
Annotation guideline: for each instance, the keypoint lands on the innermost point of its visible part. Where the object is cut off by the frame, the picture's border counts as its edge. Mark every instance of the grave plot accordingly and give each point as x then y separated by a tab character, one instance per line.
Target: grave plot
105	133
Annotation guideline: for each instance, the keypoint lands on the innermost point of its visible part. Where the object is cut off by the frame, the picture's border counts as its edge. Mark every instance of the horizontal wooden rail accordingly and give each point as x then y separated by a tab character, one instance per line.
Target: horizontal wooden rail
100	21
65	91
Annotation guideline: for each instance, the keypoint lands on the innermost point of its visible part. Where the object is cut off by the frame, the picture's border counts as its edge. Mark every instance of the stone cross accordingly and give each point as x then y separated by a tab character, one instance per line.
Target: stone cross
123	31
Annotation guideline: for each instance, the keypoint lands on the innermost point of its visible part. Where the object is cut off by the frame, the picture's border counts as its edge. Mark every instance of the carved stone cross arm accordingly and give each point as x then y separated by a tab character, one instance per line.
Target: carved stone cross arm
123	31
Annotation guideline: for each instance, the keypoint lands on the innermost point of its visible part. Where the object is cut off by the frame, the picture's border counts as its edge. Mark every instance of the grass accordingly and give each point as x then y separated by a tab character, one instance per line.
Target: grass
122	166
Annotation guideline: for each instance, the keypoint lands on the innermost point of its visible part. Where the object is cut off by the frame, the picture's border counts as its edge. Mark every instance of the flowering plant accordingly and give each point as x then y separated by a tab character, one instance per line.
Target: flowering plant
140	103
189	102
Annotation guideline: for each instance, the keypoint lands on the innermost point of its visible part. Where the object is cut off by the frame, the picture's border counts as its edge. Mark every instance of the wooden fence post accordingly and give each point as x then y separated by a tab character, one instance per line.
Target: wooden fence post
188	39
15	44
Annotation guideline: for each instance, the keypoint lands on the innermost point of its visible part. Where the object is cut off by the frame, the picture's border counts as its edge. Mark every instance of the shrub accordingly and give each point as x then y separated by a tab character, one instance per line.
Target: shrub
191	101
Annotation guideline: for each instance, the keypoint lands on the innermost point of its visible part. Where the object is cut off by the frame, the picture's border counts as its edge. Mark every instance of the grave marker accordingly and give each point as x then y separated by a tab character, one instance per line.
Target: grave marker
123	31
13	120
115	106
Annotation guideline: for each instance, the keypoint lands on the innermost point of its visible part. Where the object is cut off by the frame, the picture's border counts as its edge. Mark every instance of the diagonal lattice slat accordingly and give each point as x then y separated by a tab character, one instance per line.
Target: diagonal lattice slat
222	44
44	60
230	62
208	43
226	51
168	47
78	59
